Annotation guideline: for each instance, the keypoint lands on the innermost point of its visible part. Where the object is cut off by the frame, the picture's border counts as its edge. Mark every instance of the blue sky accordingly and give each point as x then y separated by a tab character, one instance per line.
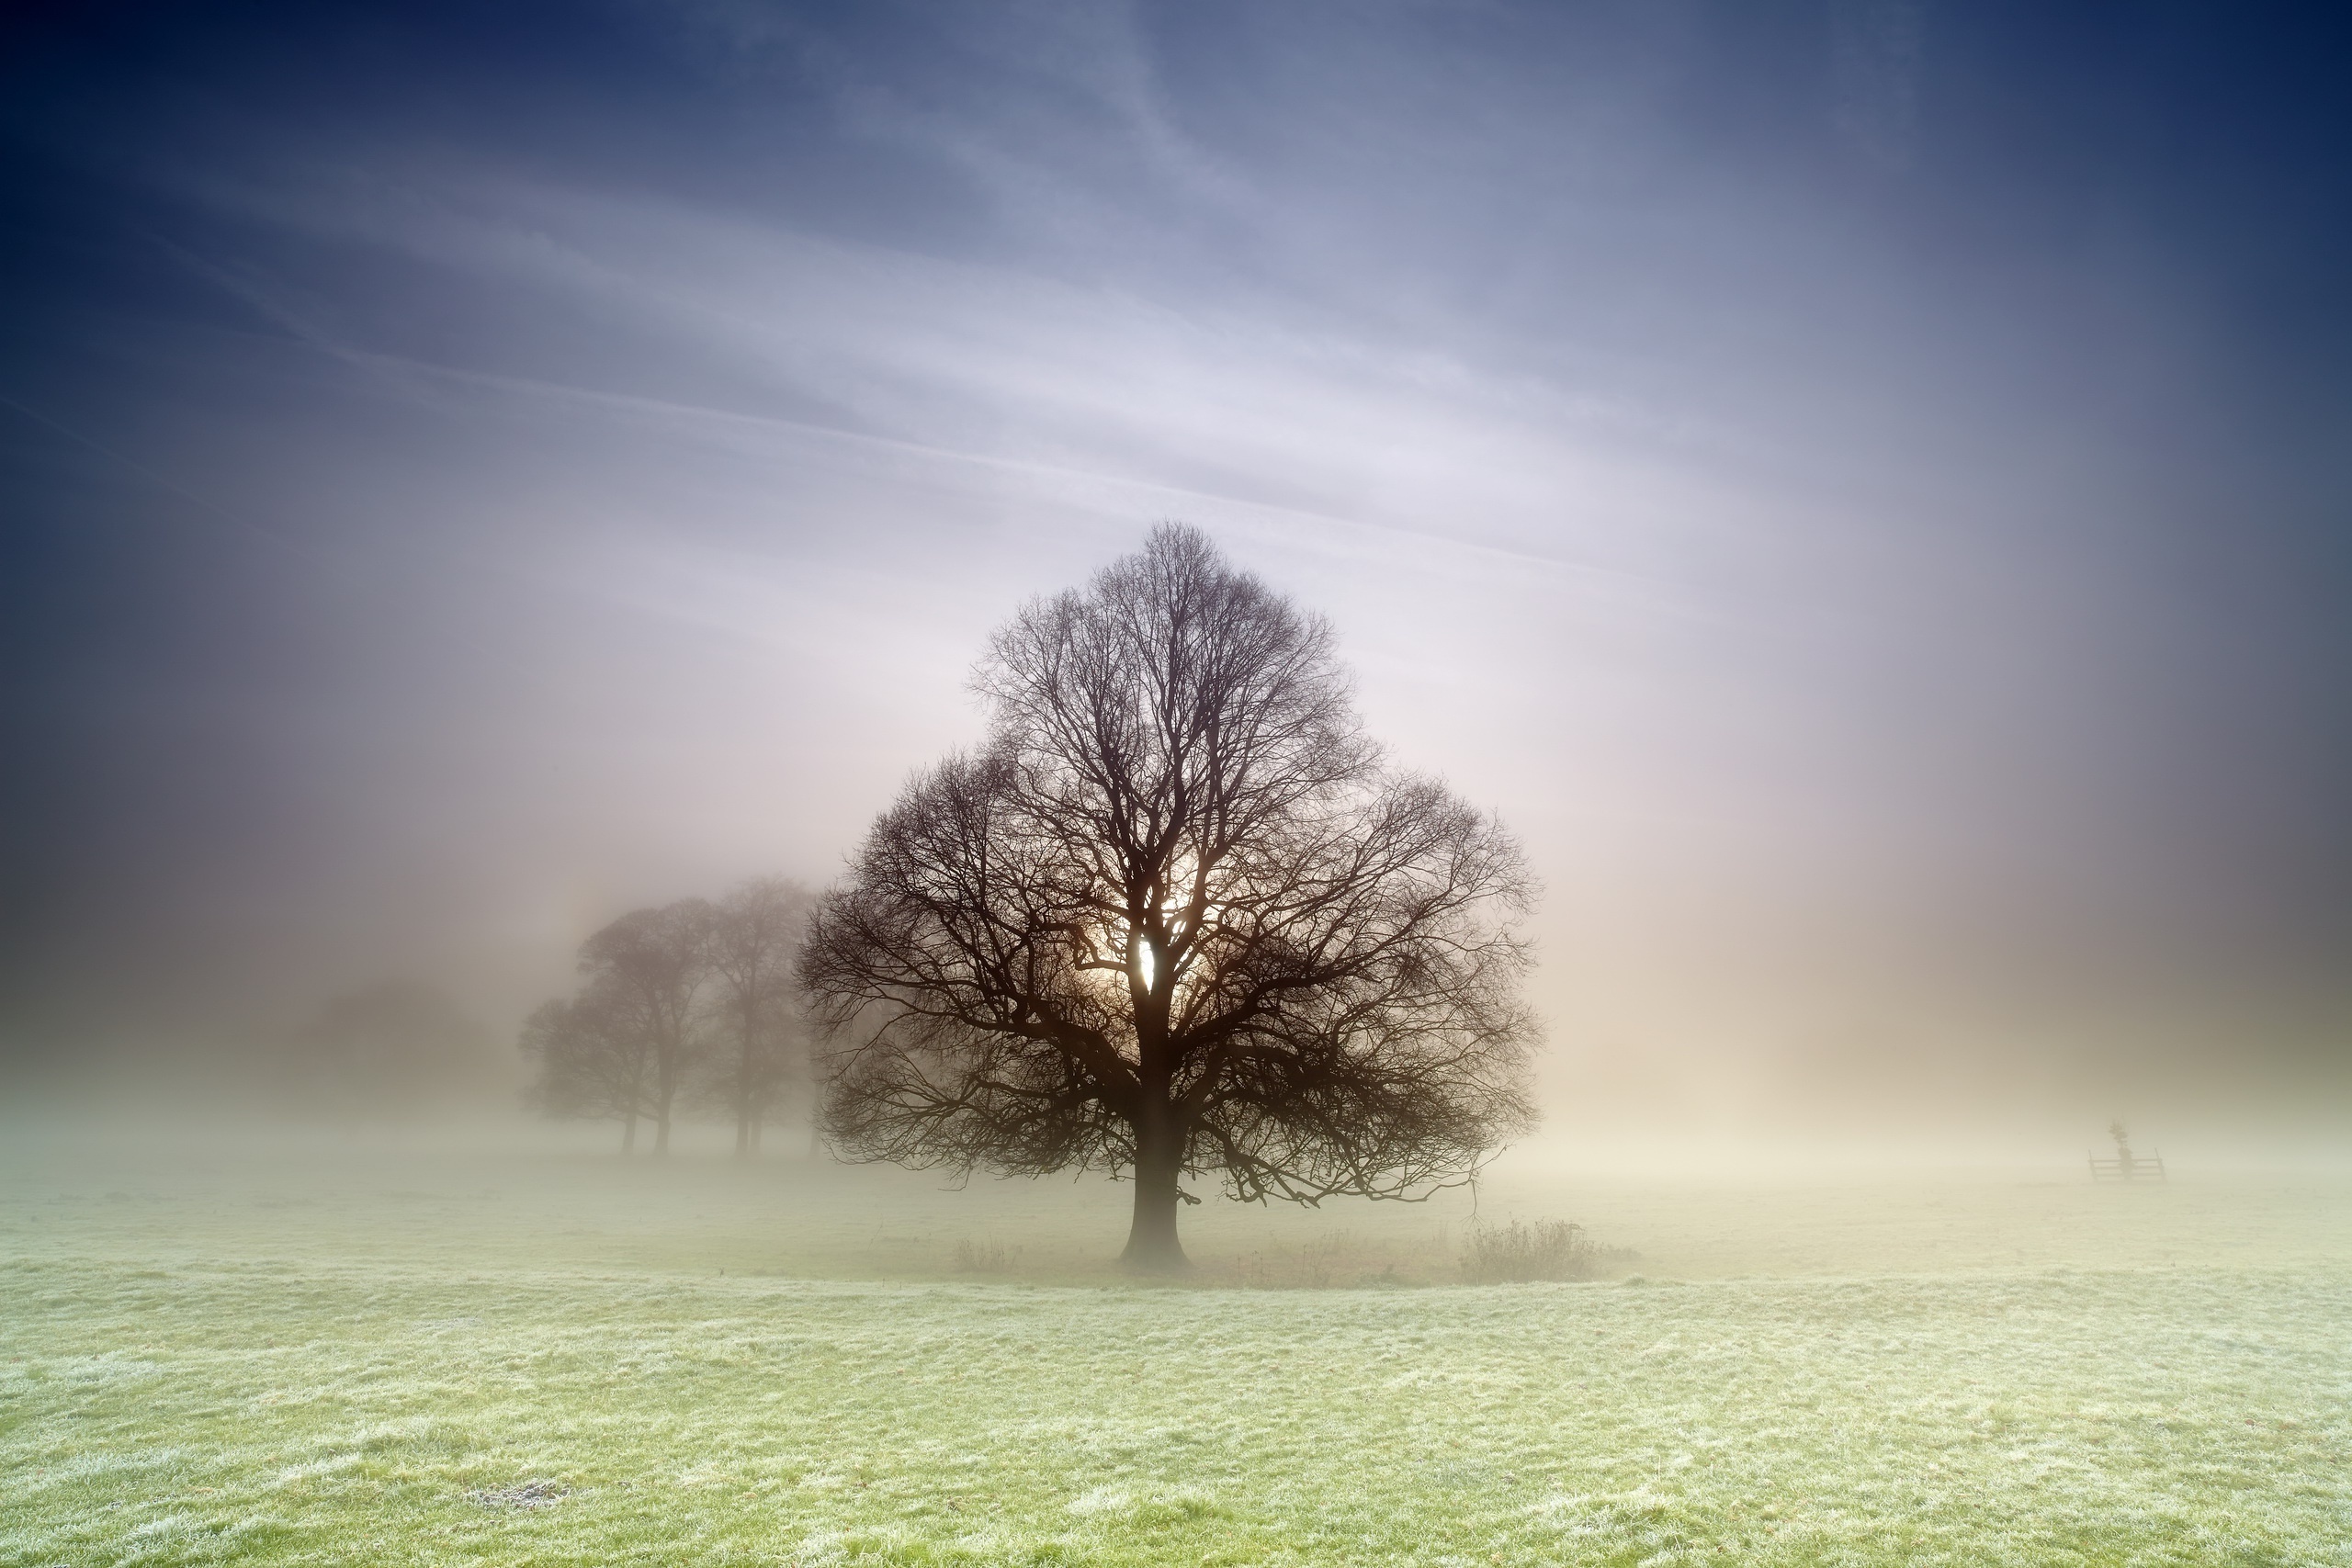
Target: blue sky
1861	487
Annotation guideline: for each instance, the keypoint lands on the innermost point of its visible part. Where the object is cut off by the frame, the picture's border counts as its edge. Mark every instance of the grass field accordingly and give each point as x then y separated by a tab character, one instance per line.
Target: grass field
554	1360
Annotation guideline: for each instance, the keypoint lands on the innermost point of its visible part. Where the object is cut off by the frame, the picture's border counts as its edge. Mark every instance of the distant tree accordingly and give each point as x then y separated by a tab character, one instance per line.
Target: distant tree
586	1063
400	1048
1176	917
759	1038
645	976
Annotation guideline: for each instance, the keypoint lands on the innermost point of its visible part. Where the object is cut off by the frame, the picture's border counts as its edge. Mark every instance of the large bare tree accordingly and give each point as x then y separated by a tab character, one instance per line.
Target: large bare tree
759	1049
1176	918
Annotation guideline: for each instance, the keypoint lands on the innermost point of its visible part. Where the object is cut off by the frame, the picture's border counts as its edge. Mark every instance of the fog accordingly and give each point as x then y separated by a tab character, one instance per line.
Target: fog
1857	489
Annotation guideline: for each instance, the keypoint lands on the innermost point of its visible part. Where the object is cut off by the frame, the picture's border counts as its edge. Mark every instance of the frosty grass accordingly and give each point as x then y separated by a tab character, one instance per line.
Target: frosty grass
379	1375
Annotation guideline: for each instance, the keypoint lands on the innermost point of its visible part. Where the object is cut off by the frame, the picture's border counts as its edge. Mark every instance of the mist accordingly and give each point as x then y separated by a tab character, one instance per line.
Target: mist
1625	721
1857	489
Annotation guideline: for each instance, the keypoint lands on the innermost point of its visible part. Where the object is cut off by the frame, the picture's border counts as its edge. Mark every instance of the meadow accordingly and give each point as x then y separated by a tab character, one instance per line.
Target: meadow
323	1355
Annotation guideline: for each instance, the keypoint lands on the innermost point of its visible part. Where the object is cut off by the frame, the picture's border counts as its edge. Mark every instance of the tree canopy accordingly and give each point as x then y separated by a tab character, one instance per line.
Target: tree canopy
690	1000
1177	917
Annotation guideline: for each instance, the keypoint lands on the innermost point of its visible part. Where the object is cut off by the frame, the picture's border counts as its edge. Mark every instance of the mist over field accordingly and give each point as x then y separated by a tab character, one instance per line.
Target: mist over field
1861	506
694	692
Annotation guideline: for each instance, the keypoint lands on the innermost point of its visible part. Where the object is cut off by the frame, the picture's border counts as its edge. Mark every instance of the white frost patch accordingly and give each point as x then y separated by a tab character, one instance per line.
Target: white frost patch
332	1465
1107	1504
99	1463
107	1369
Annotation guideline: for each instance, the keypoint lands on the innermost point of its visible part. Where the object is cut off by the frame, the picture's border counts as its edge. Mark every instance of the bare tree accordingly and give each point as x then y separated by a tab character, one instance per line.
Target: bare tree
759	1049
586	1063
1176	917
648	969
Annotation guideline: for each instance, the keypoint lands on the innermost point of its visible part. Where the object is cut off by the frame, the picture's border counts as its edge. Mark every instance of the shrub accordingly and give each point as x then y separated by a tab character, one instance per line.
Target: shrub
984	1257
1518	1252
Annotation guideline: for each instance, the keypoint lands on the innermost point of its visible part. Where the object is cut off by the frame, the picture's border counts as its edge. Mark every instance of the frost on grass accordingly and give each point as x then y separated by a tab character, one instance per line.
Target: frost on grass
1122	1505
2122	1415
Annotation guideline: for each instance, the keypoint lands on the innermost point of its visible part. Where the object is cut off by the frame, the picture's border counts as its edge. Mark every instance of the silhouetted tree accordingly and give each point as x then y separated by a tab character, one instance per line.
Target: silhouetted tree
1176	917
586	1063
758	1049
400	1048
647	969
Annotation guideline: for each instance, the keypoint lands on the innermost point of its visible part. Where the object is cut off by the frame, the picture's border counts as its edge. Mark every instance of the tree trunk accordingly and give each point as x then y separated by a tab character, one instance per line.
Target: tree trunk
629	1133
661	1128
1152	1246
747	1137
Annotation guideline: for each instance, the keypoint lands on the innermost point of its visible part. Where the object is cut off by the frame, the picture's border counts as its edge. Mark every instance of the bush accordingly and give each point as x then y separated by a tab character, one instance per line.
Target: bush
984	1257
1518	1252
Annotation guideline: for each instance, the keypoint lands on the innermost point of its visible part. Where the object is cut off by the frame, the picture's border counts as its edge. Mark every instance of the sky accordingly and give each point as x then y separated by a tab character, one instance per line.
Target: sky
1862	488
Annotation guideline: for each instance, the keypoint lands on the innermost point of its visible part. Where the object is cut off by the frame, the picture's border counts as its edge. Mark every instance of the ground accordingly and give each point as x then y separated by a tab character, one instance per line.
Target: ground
556	1359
